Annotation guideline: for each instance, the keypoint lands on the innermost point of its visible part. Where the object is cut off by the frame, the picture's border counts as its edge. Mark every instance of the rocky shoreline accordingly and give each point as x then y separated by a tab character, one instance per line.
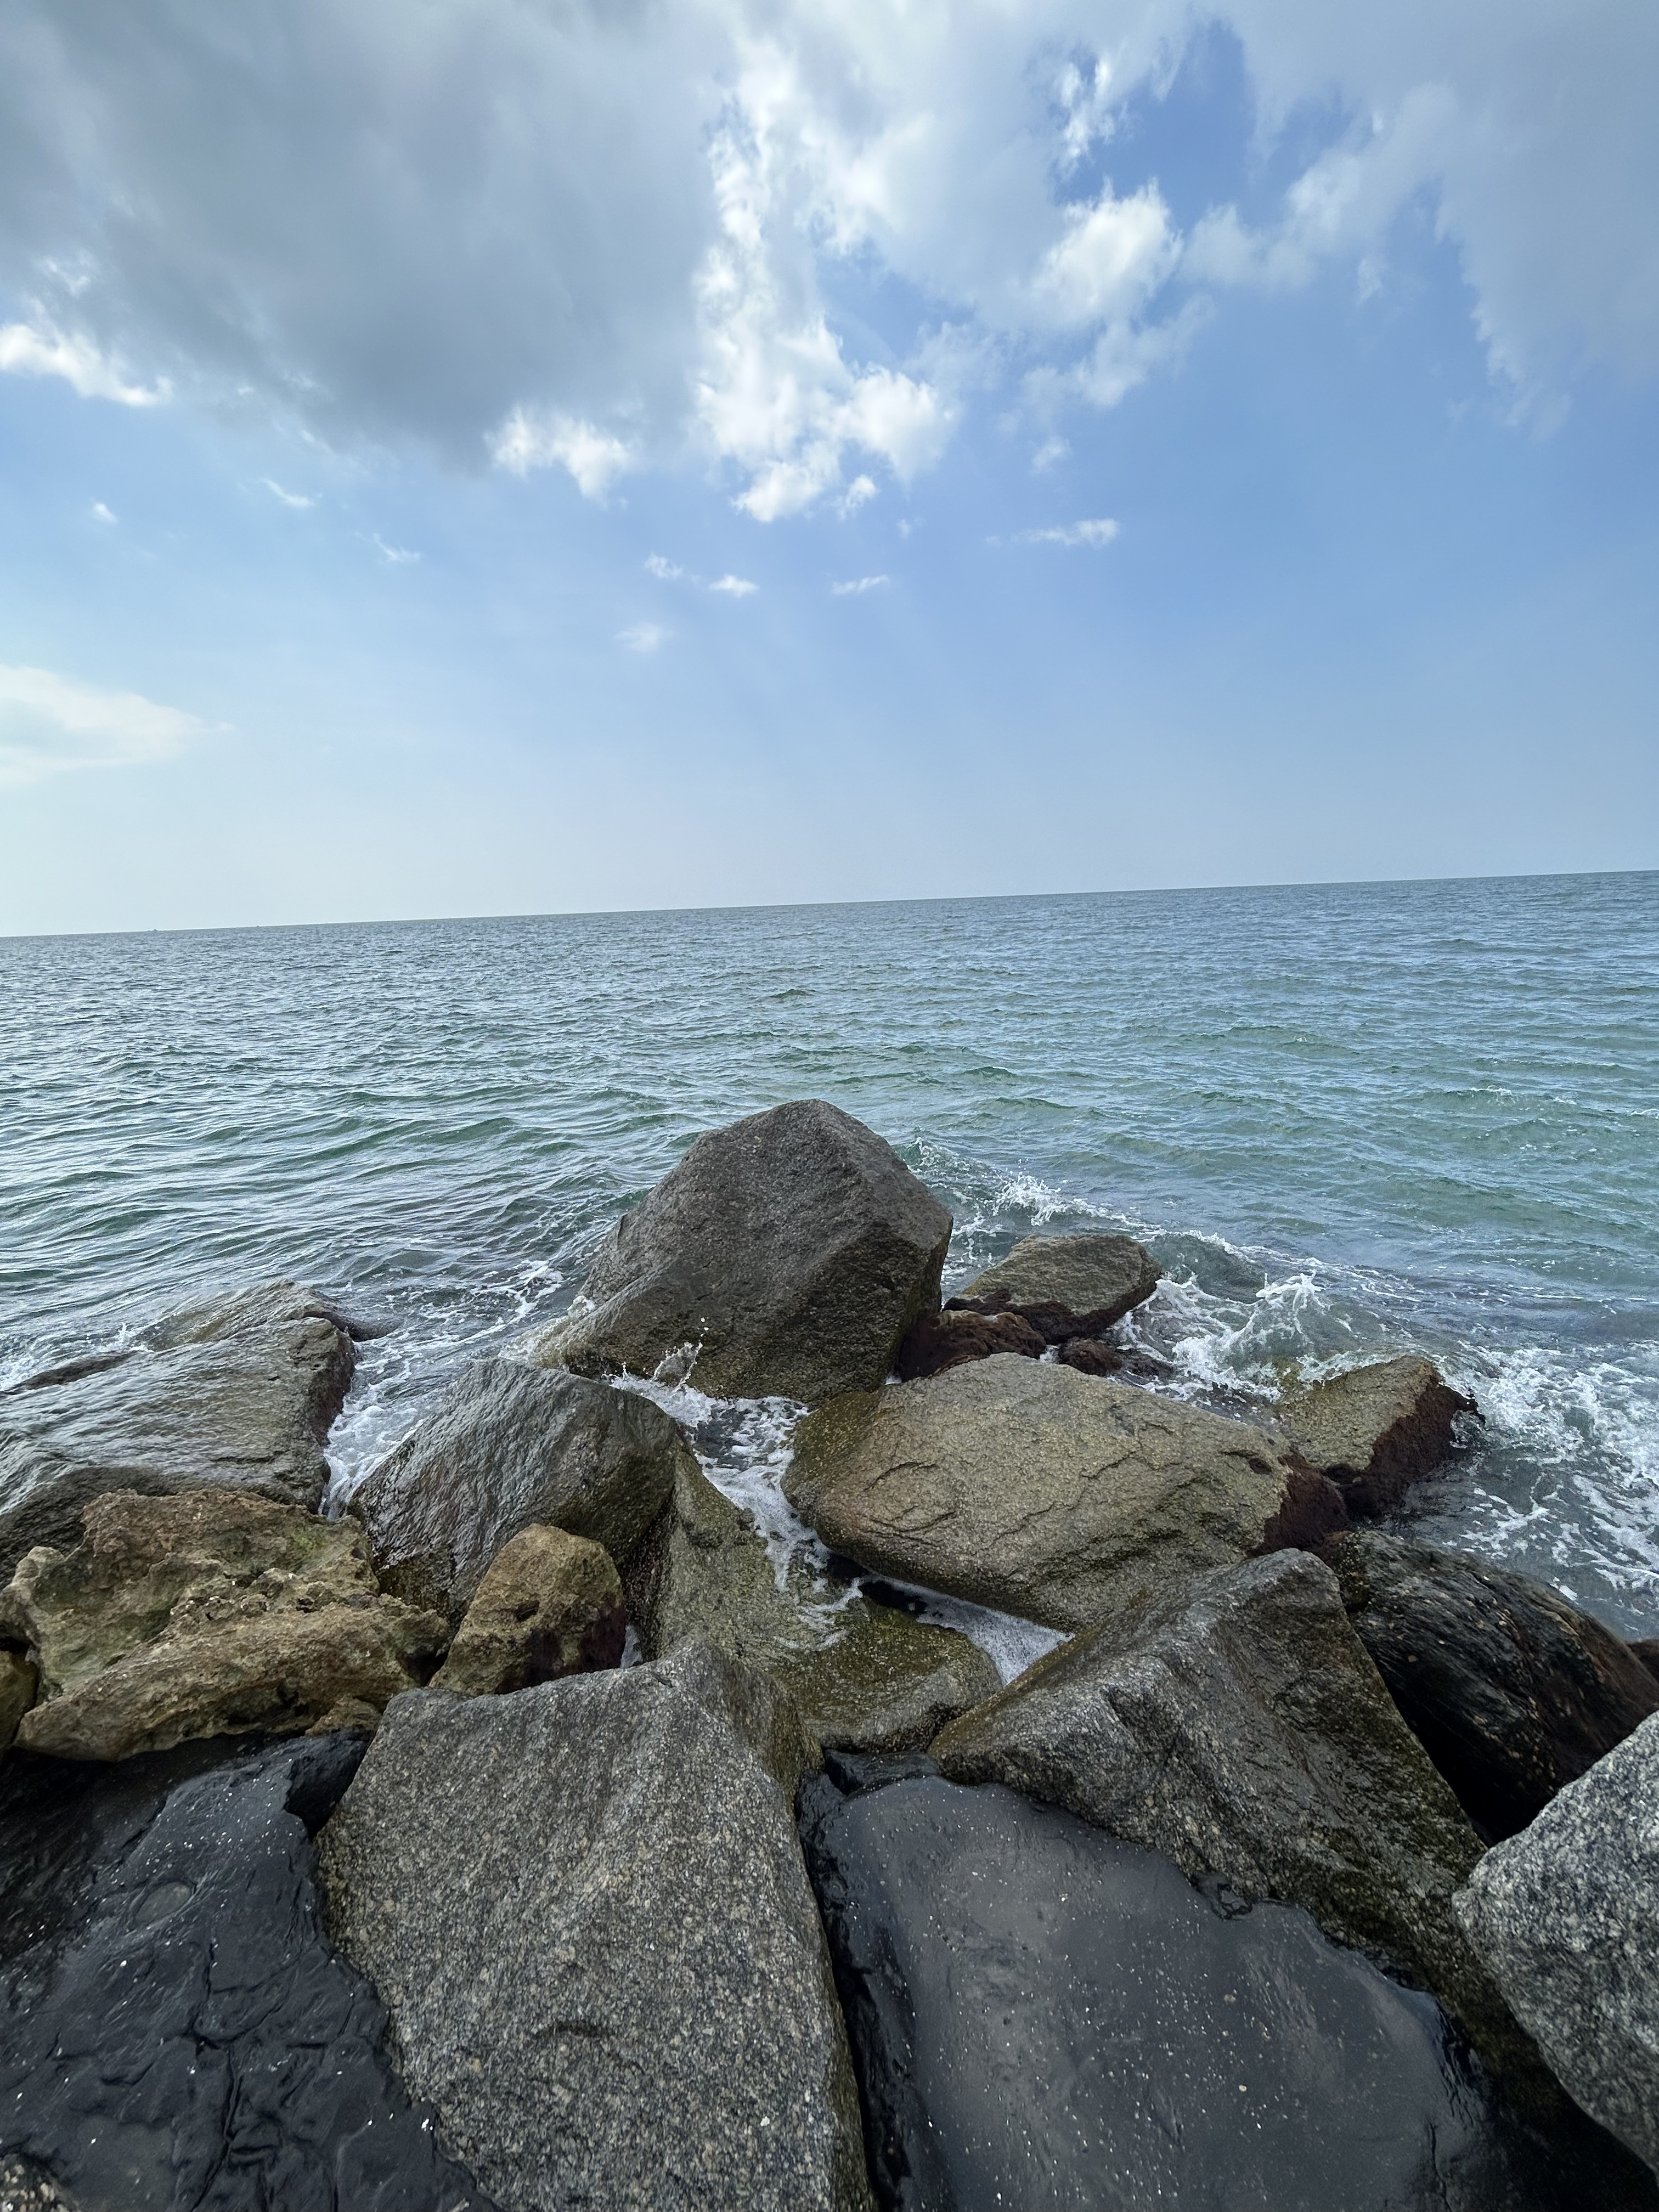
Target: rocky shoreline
536	1836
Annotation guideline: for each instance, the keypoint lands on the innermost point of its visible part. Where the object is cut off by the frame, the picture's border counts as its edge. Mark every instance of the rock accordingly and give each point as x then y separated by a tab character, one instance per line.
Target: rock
510	1447
241	1393
1095	1279
210	1613
550	1605
1646	1648
18	1681
936	1341
1090	1356
1374	1430
27	2188
1020	1485
863	1676
792	1250
175	2029
586	1909
1566	1917
1043	2015
1511	1691
1239	1726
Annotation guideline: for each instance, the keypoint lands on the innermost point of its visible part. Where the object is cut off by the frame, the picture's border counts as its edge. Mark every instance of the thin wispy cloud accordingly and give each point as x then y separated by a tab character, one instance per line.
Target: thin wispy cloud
854	584
51	724
1048	455
397	555
735	587
592	458
102	514
669	572
1098	532
643	638
25	350
295	499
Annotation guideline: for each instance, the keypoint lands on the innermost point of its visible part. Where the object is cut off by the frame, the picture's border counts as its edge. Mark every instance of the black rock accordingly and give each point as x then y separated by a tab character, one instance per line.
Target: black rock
935	1341
175	2029
1042	2016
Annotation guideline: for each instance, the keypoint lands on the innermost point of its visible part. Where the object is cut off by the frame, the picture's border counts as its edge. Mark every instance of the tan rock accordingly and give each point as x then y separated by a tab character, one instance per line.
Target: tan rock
1098	1276
550	1605
1376	1429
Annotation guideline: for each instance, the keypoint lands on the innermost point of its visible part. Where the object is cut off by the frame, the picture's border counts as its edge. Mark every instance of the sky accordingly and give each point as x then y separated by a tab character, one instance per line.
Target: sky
507	456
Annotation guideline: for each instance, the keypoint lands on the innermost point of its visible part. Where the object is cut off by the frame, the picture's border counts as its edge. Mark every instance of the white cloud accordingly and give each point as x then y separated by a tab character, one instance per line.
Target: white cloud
26	351
644	637
1099	533
51	724
669	572
1049	454
856	584
858	493
398	557
736	587
294	498
102	514
593	457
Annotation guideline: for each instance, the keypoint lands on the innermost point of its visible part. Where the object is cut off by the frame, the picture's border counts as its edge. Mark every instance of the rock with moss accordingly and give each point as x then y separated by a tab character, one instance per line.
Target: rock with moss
207	1614
550	1604
864	1676
238	1392
1021	1485
789	1253
1374	1430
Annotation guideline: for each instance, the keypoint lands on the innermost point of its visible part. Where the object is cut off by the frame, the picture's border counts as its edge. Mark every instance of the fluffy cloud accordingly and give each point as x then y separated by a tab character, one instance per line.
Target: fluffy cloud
28	351
50	724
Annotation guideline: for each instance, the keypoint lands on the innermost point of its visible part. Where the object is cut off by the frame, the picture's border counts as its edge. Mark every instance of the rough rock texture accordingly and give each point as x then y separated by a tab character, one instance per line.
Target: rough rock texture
175	2030
586	1909
792	1249
1042	2015
550	1605
509	1447
1511	1691
26	2187
1566	1916
209	1613
1020	1485
1646	1648
1097	1279
863	1676
936	1341
1091	1357
242	1393
1239	1727
18	1683
1374	1430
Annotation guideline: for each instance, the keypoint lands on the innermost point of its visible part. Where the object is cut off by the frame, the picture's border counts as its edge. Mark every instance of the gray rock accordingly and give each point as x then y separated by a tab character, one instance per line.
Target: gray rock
1099	1279
18	1681
1374	1430
1022	1485
550	1605
206	1614
792	1250
863	1676
241	1392
510	1446
1566	1917
585	1908
1239	1727
1511	1691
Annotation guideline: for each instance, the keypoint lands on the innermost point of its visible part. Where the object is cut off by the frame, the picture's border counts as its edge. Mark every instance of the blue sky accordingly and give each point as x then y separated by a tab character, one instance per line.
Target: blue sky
464	459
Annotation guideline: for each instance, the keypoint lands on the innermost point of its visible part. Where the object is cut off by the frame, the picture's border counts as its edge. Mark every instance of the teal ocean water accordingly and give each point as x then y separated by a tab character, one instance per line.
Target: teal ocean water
1348	1119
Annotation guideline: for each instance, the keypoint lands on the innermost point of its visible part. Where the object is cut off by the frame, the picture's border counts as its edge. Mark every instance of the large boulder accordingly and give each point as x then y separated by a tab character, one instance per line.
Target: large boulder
1020	1485
1566	1917
1094	1279
241	1392
210	1613
175	2028
1044	2015
1511	1691
791	1250
585	1908
510	1446
863	1676
550	1605
1374	1430
1237	1726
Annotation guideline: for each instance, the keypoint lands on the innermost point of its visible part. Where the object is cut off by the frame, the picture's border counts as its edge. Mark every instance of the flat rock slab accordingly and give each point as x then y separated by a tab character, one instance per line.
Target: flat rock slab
240	1393
210	1613
586	1909
1566	1917
509	1447
1019	1484
1511	1691
1096	1279
1043	2016
1377	1429
175	2030
790	1251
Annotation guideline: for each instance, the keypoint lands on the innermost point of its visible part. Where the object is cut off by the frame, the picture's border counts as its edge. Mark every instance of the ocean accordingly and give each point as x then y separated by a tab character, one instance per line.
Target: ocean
1348	1119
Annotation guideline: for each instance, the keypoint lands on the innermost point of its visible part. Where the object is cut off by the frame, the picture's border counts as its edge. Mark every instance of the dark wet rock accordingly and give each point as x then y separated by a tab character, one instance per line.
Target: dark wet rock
209	1613
550	1605
862	1675
1646	1648
1513	1691
175	2029
792	1250
1094	1279
585	1908
1091	1355
1312	1515
509	1447
238	1393
1042	2015
1239	1727
1375	1430
18	1683
1019	1484
939	1340
1566	1917
26	2187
